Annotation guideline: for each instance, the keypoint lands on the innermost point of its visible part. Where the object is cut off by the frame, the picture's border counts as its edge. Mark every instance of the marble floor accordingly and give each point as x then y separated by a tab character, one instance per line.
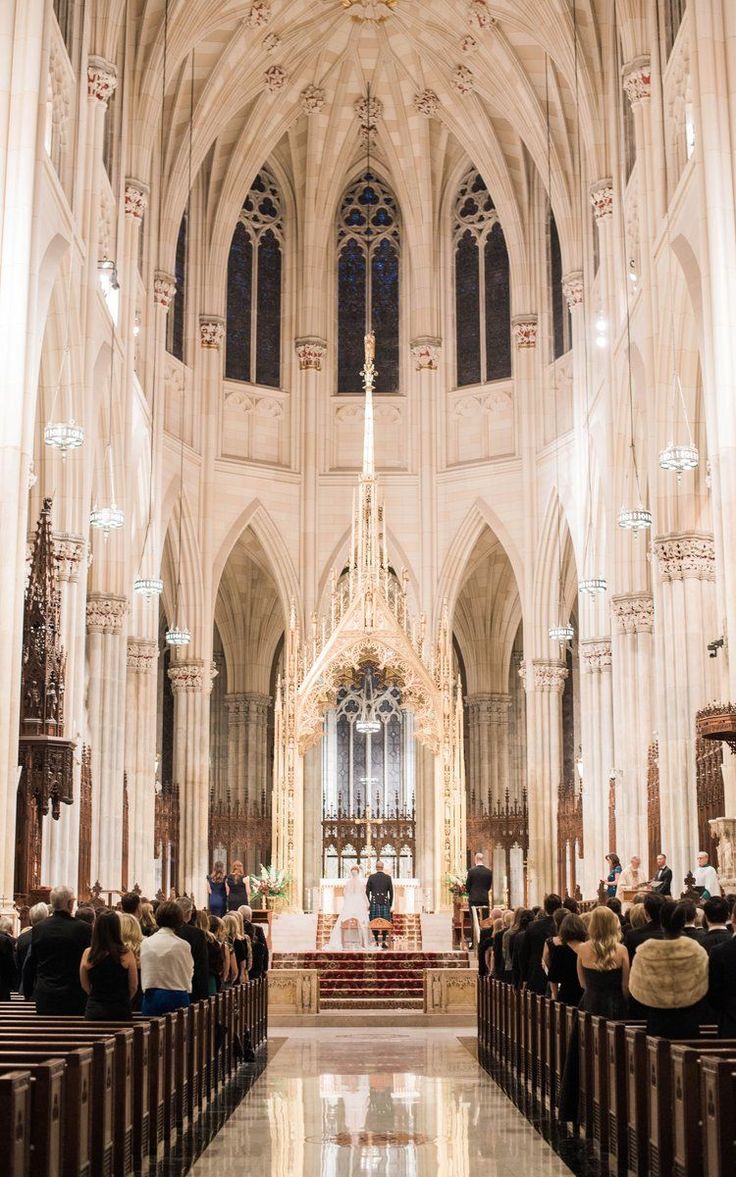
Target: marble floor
403	1102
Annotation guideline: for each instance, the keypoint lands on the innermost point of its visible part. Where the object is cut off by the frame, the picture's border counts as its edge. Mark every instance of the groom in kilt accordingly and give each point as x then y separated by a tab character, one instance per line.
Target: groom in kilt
380	892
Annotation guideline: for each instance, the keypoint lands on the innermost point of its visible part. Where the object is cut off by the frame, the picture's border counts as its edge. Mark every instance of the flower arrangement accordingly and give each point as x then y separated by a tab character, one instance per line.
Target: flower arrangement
271	883
456	886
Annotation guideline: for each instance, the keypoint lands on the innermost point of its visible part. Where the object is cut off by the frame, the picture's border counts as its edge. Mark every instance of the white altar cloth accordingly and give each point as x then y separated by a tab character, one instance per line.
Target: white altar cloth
408	895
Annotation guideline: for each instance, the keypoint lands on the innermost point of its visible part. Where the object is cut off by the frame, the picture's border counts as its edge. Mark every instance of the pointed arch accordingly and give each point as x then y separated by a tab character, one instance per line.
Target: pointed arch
257	518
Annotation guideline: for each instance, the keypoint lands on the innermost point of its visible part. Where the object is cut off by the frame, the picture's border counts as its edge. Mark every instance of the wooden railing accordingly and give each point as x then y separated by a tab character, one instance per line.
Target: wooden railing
647	1107
92	1099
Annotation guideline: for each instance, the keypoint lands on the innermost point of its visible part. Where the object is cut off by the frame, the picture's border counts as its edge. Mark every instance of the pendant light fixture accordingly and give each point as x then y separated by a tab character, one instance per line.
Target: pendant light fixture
637	517
153	586
368	722
675	456
590	585
178	634
66	434
561	631
108	517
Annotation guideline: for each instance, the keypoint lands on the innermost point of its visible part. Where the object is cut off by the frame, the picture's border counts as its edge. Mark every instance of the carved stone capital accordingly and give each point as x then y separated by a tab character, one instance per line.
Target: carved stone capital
596	654
573	289
427	103
543	675
164	289
142	655
601	197
524	330
312	99
500	707
257	706
211	332
633	613
105	613
689	555
275	78
136	199
236	709
425	353
637	78
310	351
102	78
463	80
189	677
68	553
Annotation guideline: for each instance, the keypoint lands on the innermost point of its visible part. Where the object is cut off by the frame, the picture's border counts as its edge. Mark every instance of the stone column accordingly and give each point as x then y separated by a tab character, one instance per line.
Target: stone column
426	352
596	711
191	683
517	728
633	618
686	680
236	707
479	724
106	668
257	747
544	681
310	352
140	760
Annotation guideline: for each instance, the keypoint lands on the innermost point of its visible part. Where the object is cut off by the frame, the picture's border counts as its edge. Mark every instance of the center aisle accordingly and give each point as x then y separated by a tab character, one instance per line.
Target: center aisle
402	1102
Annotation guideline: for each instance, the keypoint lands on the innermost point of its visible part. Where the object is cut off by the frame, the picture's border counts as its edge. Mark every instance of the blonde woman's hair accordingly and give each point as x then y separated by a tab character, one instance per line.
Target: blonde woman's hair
637	916
218	929
202	920
147	918
130	933
508	918
233	926
604	932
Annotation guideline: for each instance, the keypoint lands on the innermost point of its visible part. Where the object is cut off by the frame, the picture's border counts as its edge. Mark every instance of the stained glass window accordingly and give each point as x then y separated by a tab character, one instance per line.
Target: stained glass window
254	284
368	214
482	286
175	325
560	313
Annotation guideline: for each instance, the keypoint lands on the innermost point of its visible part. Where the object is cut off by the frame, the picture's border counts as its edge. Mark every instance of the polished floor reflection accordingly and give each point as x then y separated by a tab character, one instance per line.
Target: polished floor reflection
385	1102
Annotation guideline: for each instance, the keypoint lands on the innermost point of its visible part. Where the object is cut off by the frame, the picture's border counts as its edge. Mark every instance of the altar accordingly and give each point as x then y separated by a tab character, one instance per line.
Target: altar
409	896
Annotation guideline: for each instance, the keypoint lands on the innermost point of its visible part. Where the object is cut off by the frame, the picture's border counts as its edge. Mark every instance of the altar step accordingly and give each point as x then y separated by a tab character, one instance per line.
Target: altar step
371	980
407	931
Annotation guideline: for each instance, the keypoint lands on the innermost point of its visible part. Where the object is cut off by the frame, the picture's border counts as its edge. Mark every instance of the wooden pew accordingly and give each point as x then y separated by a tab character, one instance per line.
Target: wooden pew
15	1121
46	1090
76	1120
613	1096
718	1094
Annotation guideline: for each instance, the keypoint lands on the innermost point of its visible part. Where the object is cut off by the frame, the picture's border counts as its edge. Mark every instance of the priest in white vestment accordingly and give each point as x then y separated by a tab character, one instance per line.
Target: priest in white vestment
354	907
706	876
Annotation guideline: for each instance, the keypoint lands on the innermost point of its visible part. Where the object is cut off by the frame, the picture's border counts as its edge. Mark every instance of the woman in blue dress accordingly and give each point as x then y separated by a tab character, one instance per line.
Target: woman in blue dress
217	895
614	870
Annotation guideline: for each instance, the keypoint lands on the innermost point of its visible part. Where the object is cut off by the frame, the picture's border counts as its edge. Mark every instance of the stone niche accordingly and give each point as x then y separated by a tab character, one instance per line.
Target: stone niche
480	424
255	424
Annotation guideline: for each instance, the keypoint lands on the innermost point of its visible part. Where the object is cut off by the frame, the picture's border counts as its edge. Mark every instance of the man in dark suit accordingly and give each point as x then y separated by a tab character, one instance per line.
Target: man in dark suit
478	885
258	941
722	985
691	929
662	881
197	942
652	930
8	973
380	892
532	974
716	914
51	971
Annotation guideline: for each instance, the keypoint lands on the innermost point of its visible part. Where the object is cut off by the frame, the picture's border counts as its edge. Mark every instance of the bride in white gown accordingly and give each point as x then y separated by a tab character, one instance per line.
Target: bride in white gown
354	907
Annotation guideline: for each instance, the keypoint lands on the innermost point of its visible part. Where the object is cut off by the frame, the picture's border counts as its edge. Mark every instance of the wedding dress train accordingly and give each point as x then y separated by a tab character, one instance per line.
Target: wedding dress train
354	907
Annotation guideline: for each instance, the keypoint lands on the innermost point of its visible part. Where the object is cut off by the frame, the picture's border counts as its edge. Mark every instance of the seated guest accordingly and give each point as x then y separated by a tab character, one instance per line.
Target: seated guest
669	978
108	972
8	968
706	876
86	914
167	965
691	929
51	970
533	975
716	915
130	903
722	984
39	911
148	919
258	942
644	922
564	982
197	942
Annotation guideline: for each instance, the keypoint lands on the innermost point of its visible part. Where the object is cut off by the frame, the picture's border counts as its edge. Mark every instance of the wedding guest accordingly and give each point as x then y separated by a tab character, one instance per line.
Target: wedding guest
39	911
669	978
228	969
558	917
167	965
86	913
722	984
51	970
498	964
131	904
197	942
258	941
717	916
532	947
526	919
564	982
691	928
241	944
132	937
644	922
8	967
108	972
508	945
148	919
217	890
237	887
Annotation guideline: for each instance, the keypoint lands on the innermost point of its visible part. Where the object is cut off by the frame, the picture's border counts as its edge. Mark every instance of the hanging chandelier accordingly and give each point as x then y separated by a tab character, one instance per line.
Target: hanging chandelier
561	633
178	636
593	585
635	519
368	722
107	519
148	586
679	458
63	436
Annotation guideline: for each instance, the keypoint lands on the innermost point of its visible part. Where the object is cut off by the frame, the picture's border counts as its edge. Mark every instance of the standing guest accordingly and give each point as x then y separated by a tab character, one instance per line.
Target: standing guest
85	913
526	919
669	978
722	984
630	879
214	954
551	941
236	886
508	945
706	877
571	905
39	911
108	972
197	942
216	890
8	967
603	973
241	945
228	969
564	982
507	920
662	881
530	953
691	928
478	886
51	971
644	922
614	905
132	937
614	870
717	916
130	903
258	941
486	946
148	919
167	965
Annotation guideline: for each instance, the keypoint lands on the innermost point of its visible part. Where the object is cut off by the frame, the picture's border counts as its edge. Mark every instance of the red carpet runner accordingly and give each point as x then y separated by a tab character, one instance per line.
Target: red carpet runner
371	980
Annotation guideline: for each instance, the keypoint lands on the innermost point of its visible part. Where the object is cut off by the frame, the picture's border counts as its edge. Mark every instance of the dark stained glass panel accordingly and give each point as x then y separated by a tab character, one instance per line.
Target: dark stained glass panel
498	306
268	321
557	297
385	271
239	305
467	310
350	316
180	298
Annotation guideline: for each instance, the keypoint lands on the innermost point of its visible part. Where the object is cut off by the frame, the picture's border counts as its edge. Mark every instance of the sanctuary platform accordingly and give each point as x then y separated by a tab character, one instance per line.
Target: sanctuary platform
381	980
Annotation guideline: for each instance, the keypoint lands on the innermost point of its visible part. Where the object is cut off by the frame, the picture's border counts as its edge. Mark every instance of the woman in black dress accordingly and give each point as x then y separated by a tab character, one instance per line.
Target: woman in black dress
603	973
563	961
108	972
236	885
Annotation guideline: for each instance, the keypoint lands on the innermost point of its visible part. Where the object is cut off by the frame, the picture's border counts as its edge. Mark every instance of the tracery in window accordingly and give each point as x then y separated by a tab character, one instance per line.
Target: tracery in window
254	280
482	286
368	213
